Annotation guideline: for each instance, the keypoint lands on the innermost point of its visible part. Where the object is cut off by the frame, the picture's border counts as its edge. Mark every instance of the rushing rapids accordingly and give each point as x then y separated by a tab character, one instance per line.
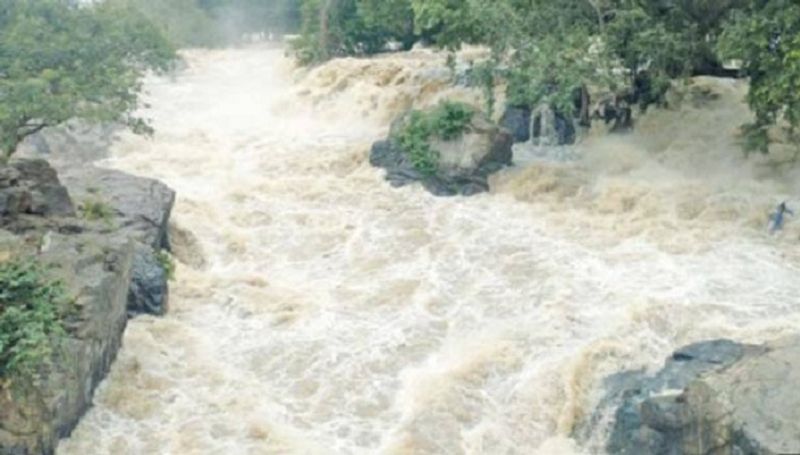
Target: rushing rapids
337	315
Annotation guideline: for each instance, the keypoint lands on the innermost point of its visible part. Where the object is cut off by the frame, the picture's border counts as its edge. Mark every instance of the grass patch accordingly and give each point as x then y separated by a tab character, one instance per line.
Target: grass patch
446	121
97	210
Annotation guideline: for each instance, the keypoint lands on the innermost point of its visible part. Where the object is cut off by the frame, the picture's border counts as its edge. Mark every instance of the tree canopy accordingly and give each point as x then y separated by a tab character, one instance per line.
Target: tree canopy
59	62
547	51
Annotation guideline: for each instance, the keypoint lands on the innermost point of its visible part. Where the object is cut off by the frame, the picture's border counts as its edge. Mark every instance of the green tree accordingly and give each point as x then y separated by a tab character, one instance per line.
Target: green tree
335	28
766	39
60	62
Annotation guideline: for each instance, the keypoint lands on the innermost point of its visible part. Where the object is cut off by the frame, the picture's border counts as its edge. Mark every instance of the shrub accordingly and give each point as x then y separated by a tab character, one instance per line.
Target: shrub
446	121
96	210
167	263
32	308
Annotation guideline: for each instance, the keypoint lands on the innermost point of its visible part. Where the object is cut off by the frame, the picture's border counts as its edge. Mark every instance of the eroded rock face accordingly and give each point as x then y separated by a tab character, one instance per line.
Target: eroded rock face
464	163
97	271
109	265
711	398
32	187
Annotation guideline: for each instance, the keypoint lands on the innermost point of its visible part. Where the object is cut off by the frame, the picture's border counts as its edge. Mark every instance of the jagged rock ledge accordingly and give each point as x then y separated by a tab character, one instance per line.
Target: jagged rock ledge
107	261
711	398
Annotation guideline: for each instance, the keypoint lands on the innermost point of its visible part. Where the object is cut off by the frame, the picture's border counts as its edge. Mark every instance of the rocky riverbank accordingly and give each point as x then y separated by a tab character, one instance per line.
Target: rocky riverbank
710	398
103	232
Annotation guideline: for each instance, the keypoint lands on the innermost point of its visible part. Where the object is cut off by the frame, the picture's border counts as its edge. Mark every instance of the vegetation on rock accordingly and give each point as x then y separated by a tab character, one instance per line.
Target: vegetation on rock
32	308
446	121
97	210
167	263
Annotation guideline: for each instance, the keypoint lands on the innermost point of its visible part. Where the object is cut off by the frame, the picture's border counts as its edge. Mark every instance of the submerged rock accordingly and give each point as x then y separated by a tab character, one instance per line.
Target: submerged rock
711	398
464	163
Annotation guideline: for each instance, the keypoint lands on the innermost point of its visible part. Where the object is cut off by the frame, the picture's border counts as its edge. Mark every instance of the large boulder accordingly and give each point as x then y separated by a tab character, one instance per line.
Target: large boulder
711	398
110	265
142	208
97	271
464	163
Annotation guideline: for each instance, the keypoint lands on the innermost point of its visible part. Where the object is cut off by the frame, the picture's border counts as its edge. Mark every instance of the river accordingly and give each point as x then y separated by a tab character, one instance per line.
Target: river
337	315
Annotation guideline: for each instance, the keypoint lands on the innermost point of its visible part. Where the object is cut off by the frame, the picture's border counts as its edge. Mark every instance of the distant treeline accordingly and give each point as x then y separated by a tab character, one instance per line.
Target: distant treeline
208	23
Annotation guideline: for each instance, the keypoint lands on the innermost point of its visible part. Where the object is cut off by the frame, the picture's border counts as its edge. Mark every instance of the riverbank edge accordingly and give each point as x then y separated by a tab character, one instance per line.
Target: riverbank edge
111	263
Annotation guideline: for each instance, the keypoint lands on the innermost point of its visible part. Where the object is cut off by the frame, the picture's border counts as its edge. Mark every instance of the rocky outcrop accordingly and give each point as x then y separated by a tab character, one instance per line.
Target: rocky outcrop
108	264
142	208
711	398
97	271
464	163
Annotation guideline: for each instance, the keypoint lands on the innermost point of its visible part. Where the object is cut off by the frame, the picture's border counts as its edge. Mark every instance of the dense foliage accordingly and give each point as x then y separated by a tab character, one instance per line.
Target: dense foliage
628	51
333	28
32	308
60	62
766	39
446	121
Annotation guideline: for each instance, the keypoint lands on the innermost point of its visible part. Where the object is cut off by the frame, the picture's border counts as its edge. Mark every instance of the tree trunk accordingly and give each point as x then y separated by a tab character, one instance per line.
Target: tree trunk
324	27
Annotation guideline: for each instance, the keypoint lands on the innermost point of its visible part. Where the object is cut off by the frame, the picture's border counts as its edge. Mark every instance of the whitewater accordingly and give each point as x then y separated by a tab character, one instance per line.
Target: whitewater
321	311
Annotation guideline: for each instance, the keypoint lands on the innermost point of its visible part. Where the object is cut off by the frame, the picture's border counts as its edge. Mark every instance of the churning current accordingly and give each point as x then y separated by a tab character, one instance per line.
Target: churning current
320	311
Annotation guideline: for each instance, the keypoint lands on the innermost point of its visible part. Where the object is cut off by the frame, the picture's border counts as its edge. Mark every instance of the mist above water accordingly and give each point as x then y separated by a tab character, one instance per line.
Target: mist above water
336	314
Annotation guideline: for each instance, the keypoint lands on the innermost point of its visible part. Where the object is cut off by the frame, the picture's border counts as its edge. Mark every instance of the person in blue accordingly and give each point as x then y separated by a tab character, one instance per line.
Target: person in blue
778	219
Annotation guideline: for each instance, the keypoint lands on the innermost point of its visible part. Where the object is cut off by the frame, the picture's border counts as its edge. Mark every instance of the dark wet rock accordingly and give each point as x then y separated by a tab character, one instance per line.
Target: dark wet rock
517	120
149	290
464	163
711	398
